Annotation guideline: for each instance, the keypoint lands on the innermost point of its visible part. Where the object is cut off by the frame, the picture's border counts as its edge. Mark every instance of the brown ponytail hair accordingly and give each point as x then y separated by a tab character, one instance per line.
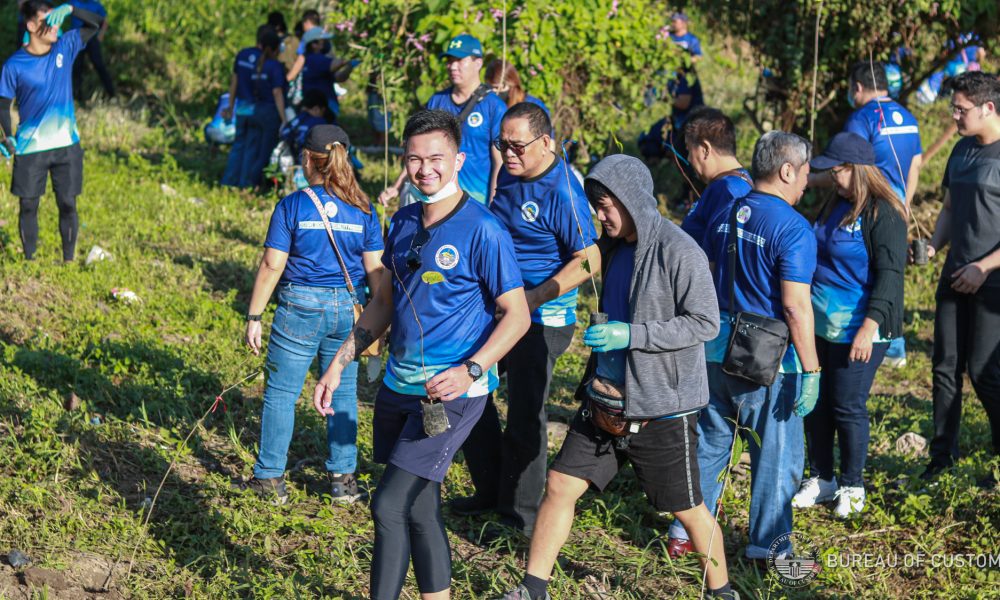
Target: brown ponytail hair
338	175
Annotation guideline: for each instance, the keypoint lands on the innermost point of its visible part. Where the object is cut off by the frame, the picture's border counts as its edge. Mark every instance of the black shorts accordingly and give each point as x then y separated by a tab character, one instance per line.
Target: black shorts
664	455
31	172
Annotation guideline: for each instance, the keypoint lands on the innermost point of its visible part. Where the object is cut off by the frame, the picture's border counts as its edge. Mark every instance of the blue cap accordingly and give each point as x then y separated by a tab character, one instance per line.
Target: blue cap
845	147
679	16
462	46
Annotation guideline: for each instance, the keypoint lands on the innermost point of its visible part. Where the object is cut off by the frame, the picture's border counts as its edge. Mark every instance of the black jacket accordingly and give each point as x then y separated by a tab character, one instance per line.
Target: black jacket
885	241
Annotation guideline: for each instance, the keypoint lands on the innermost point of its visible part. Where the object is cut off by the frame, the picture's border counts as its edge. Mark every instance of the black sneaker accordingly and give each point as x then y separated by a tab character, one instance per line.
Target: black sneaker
471	505
933	470
344	488
272	489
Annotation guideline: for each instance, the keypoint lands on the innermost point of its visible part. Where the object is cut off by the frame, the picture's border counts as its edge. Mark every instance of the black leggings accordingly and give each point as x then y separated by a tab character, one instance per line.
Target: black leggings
407	512
68	225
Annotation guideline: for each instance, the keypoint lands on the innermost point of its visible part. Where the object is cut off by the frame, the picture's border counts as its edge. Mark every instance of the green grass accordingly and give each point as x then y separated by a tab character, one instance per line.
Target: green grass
72	493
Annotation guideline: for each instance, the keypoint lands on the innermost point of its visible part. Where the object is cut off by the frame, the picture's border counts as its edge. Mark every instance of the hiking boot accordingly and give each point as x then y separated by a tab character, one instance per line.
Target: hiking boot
814	491
850	500
471	505
933	470
272	489
344	488
520	593
678	547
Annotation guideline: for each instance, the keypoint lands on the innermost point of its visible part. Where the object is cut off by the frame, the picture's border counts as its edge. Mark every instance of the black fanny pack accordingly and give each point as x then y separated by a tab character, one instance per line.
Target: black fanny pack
757	343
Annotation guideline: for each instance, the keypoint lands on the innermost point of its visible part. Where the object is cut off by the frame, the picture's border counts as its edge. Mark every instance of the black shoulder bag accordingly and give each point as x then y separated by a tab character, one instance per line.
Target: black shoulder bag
757	343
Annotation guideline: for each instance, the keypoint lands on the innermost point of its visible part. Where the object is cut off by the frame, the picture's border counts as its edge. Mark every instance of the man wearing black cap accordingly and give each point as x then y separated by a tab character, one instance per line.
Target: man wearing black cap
479	111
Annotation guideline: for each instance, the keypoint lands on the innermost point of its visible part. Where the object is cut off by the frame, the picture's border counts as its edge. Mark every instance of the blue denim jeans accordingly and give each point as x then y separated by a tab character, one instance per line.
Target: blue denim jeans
842	410
775	466
309	320
239	161
262	137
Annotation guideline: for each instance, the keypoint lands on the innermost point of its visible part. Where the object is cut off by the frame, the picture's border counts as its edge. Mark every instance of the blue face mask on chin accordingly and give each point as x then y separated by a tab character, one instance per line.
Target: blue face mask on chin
450	189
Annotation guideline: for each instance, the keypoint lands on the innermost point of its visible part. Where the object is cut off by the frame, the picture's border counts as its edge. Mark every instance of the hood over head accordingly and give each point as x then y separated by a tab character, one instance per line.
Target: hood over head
631	182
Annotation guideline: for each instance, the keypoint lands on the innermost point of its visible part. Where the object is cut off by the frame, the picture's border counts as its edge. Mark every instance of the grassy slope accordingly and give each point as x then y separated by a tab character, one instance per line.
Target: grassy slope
72	493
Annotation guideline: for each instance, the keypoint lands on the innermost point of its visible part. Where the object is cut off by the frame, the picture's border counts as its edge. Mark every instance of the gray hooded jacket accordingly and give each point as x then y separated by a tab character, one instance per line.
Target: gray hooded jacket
672	300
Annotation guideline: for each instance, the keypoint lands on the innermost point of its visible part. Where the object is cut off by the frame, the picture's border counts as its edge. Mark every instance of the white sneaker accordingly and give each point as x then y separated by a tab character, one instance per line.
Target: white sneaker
894	362
813	491
850	500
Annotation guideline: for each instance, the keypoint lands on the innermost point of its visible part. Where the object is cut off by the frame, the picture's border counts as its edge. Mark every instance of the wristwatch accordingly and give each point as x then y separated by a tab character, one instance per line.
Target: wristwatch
475	371
253	317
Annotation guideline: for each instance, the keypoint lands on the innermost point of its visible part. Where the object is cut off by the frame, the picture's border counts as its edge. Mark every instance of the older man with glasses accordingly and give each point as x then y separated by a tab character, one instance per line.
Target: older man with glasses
544	208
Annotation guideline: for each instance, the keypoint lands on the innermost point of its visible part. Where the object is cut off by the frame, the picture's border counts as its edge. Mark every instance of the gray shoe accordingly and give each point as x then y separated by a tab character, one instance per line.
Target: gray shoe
520	593
272	489
344	488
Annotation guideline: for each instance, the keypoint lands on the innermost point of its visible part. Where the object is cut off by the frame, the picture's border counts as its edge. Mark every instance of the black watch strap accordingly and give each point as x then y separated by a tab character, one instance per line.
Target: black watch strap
253	317
473	366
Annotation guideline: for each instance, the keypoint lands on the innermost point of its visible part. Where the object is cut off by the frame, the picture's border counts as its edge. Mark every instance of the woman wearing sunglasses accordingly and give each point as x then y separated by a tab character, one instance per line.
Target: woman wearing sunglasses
315	307
857	296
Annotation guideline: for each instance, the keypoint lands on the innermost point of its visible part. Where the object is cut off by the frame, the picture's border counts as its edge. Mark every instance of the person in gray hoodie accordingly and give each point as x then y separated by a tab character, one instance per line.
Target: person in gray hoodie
646	380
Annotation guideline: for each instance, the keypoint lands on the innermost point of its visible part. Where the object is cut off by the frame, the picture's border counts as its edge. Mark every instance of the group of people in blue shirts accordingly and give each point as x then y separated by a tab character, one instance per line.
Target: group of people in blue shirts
265	93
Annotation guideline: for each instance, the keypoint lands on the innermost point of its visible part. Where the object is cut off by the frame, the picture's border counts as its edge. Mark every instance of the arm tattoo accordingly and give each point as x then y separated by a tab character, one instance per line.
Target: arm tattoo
346	354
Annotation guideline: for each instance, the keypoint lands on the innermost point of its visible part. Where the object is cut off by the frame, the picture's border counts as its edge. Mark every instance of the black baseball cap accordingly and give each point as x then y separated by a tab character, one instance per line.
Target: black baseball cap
322	137
845	147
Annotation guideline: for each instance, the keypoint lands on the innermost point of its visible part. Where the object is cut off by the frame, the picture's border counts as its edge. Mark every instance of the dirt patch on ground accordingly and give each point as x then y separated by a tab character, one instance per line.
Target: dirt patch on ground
29	306
83	578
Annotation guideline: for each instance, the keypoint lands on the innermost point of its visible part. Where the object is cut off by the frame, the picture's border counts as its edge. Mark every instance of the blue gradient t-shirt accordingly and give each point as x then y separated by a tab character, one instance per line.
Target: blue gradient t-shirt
688	42
889	127
538	214
297	228
718	196
615	291
465	264
43	87
843	280
776	244
479	129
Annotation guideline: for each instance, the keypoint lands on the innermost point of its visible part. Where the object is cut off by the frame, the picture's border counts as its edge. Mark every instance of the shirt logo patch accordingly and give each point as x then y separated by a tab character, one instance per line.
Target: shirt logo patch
853	227
743	214
330	208
529	211
475	119
446	257
897	118
253	58
59	60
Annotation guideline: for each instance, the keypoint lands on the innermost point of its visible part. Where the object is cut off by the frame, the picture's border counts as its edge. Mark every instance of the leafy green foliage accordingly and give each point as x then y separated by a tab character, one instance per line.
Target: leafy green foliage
589	61
782	37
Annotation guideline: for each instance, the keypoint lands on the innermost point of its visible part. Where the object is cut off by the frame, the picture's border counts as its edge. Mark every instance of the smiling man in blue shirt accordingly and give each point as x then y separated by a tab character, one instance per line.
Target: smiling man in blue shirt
536	199
450	268
39	76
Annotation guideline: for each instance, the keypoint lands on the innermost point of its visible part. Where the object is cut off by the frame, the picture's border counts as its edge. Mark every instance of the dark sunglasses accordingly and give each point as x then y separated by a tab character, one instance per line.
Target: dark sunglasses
518	149
413	261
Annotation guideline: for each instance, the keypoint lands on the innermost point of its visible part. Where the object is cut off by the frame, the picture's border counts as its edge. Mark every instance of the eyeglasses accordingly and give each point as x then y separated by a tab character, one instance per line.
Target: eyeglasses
516	148
413	260
958	110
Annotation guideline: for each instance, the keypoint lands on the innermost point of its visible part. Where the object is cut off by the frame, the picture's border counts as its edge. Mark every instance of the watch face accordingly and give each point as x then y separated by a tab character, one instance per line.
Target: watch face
475	371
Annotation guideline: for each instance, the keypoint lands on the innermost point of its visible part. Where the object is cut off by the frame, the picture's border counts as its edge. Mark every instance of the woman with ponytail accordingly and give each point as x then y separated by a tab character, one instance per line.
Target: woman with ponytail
315	311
